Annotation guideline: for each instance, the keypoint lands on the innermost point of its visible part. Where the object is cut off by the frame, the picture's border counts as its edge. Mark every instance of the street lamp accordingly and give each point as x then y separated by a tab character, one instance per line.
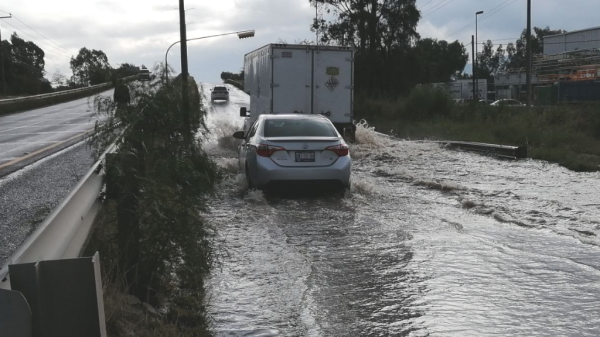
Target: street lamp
476	88
241	34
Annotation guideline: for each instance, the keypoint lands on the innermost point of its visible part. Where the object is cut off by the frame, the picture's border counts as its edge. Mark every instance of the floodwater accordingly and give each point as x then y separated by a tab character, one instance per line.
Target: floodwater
428	242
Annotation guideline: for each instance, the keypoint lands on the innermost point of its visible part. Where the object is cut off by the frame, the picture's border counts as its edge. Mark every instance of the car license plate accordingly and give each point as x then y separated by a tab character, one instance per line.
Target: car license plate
305	156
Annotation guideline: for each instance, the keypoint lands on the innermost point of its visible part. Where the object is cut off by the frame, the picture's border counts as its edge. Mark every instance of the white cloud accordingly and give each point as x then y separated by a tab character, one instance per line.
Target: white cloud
139	32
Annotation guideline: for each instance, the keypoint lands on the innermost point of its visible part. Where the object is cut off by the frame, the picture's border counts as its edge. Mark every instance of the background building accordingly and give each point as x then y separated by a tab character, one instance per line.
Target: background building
569	70
572	41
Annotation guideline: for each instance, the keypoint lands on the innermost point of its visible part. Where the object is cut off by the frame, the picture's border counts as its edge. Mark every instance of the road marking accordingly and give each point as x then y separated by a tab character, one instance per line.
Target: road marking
20	159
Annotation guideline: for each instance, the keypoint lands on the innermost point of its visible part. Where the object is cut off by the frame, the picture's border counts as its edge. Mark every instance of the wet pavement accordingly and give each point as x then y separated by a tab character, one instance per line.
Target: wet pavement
428	242
28	195
26	132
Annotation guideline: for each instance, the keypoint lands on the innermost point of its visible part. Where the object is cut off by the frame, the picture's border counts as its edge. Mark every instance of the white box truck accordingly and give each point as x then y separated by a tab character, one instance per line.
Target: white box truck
305	79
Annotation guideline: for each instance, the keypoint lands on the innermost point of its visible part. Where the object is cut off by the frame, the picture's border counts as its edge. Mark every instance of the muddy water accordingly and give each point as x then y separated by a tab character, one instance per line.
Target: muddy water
428	242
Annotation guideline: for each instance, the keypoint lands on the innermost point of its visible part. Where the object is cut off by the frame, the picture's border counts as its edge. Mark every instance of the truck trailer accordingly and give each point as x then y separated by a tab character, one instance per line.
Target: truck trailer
301	79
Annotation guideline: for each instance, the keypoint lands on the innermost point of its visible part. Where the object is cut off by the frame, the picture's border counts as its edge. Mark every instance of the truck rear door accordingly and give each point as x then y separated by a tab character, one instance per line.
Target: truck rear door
333	84
291	80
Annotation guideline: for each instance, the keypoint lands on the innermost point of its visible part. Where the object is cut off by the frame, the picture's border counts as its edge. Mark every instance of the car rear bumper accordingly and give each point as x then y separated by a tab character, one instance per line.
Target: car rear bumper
225	97
268	173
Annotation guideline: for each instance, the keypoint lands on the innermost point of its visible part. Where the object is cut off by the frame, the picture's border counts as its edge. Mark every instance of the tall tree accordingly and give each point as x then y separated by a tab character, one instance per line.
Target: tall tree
381	31
90	67
490	61
438	61
517	51
24	66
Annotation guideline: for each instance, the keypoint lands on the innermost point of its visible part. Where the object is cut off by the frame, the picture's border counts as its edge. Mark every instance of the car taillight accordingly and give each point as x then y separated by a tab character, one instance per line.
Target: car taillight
340	149
265	150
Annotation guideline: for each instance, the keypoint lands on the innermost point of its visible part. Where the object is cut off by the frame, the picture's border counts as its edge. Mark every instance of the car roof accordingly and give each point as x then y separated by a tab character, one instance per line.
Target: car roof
291	116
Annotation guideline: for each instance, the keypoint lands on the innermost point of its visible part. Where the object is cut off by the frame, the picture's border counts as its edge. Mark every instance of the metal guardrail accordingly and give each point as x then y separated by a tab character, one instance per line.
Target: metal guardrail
65	232
507	151
60	93
236	84
52	94
515	152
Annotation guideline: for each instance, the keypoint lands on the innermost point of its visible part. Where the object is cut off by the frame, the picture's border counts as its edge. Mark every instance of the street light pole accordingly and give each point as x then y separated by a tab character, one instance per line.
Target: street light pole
242	34
184	74
476	88
528	66
2	55
473	62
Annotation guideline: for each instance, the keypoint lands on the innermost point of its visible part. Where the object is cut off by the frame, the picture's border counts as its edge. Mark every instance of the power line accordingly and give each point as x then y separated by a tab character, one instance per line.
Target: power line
43	35
498	10
54	49
435	10
424	5
23	60
548	43
490	13
12	53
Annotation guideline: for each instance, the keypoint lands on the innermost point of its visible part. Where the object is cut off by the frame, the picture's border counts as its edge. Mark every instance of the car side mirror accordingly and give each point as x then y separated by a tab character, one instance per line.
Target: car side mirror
239	135
244	112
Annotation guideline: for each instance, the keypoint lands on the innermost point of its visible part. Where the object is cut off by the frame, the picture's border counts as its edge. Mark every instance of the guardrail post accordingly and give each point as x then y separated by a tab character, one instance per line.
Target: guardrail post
15	314
65	296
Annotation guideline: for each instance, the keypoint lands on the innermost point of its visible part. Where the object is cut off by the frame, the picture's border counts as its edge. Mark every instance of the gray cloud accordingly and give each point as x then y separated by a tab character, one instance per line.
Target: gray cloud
139	31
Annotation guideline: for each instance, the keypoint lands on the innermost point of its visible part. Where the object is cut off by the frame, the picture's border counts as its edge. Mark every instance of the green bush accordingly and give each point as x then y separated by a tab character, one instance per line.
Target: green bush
426	101
566	134
159	180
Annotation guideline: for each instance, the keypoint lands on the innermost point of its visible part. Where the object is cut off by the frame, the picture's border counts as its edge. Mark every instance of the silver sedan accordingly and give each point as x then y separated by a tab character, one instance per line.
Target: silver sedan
300	149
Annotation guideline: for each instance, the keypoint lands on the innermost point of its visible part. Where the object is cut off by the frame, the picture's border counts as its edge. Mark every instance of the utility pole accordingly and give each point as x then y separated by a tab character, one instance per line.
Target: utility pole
473	63
317	22
476	51
528	66
185	105
2	55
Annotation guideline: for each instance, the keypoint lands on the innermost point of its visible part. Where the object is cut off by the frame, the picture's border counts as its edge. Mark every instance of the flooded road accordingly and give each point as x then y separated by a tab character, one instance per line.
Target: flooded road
428	242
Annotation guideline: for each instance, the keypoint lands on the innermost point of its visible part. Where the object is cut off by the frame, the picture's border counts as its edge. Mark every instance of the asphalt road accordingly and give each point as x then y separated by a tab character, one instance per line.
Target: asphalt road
42	158
26	137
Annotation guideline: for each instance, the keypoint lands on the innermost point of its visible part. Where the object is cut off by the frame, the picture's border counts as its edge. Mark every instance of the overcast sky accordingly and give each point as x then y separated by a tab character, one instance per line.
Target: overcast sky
140	31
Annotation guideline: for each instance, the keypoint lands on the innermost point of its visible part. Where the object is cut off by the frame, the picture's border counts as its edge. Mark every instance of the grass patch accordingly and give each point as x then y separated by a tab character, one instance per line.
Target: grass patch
568	134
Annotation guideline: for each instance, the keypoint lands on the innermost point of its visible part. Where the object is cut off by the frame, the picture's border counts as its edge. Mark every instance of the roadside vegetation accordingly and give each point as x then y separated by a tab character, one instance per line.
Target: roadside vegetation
155	248
567	134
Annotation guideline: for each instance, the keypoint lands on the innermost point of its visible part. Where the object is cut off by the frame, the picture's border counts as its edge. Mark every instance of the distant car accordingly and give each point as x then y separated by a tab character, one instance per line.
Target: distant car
219	93
293	149
143	75
507	102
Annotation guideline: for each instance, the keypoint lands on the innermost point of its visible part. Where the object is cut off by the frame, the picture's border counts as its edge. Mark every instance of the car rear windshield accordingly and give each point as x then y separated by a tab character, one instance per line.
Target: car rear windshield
299	128
220	89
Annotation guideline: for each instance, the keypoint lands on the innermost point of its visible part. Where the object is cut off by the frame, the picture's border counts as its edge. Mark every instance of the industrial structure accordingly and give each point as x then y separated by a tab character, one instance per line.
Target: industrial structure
572	41
569	69
511	84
